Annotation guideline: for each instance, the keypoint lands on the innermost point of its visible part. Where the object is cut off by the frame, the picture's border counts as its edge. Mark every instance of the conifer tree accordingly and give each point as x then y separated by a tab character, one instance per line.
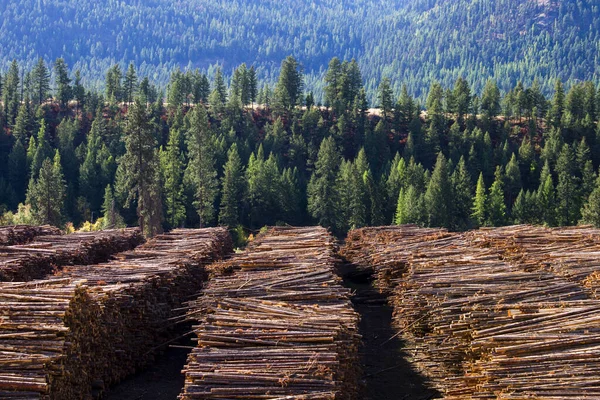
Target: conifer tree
567	196
78	90
10	93
17	170
137	176
113	84
42	150
410	208
497	207
480	203
590	213
384	97
462	195
512	180
91	181
545	197
288	90
323	198
233	189
172	163
46	192
41	82
201	172
438	197
130	84
110	213
63	82
490	100
218	96
558	104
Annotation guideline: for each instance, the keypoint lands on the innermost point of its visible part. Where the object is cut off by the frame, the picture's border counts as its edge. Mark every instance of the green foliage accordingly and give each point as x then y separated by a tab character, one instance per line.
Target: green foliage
46	193
323	197
233	189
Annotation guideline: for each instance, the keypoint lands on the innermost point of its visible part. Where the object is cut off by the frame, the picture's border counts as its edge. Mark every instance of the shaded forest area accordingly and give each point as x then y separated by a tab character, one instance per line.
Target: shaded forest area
207	154
411	42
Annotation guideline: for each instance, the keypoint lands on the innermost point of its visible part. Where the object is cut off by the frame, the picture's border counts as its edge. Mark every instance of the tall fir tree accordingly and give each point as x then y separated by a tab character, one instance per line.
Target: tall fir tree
232	189
323	198
172	165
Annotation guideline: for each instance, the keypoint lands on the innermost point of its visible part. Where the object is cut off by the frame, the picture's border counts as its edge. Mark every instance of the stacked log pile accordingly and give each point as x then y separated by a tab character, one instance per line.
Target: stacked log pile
47	329
385	251
573	252
21	234
501	313
69	336
35	260
142	292
280	326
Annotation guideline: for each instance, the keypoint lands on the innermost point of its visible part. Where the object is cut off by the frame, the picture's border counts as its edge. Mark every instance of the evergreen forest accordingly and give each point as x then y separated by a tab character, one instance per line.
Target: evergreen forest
412	42
229	151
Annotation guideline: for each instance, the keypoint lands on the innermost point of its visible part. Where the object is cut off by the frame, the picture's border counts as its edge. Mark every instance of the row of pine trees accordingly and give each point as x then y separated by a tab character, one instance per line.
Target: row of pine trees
242	154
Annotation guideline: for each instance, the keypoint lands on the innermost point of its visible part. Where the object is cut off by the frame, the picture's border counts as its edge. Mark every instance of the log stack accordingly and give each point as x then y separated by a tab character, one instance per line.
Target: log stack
280	326
21	234
70	336
504	313
384	251
41	257
47	331
141	295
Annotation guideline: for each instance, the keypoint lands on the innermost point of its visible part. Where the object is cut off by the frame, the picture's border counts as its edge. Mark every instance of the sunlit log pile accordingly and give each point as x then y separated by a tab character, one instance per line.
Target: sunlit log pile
573	252
142	293
385	251
280	326
21	234
502	313
45	254
70	336
48	331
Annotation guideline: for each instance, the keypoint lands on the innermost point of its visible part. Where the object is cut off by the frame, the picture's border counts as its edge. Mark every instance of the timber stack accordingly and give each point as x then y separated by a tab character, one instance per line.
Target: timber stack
141	294
384	251
21	234
279	326
69	336
44	255
501	313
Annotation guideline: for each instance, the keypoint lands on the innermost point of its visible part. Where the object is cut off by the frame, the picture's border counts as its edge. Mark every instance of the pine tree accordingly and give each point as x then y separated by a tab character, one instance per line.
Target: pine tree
359	201
480	203
10	93
41	81
110	213
411	207
233	189
64	92
558	104
130	84
462	195
17	170
42	150
172	163
323	198
113	84
137	176
590	213
46	193
252	85
218	96
567	196
395	182
520	209
490	100
496	206
333	85
201	172
512	179
91	182
288	90
384	97
438	197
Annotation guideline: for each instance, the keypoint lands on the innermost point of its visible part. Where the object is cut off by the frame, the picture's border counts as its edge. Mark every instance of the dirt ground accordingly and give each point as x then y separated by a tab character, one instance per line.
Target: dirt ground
163	380
387	374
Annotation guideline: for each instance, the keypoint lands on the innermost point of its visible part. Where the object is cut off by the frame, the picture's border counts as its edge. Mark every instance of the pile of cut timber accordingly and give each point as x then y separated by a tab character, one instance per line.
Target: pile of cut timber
21	234
69	336
500	313
385	250
141	294
281	326
39	258
47	331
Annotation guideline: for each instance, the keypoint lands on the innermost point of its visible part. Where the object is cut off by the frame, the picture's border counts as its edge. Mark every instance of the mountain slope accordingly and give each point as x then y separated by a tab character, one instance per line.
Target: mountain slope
412	42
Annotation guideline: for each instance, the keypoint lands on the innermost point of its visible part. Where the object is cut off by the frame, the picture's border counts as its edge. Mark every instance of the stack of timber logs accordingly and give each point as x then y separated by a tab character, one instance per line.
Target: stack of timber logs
141	294
35	260
384	251
280	326
47	332
21	234
501	313
69	336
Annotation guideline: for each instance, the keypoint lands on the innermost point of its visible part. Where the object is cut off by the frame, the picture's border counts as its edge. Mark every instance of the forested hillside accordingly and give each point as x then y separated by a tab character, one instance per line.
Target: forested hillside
211	156
411	42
